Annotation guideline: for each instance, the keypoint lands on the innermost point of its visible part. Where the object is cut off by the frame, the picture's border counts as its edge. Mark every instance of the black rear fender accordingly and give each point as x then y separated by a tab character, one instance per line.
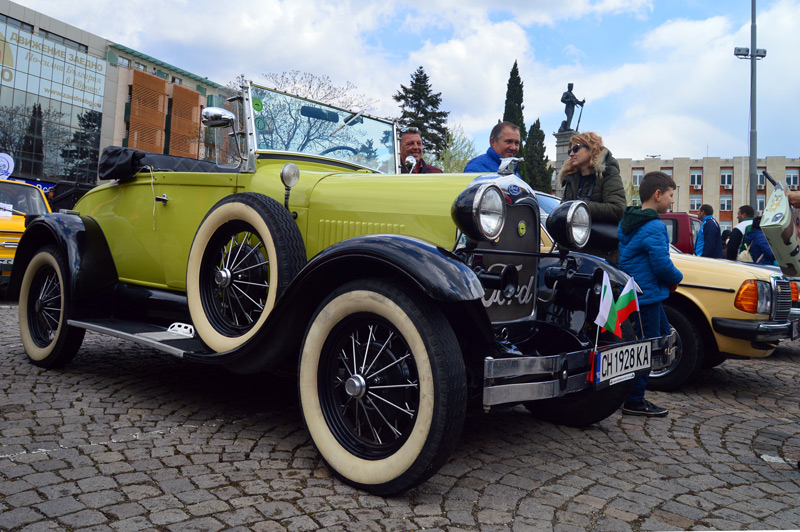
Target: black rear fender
90	267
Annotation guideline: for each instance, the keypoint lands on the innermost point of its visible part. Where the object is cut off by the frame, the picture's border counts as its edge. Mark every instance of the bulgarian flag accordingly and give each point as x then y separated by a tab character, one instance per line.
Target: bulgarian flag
612	314
606	303
627	303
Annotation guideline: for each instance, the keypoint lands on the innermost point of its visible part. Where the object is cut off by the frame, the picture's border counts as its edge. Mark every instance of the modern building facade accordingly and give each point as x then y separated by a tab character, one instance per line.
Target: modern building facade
66	94
722	183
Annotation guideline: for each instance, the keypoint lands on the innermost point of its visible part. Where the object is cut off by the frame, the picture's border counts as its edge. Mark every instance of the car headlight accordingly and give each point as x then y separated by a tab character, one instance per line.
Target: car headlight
570	224
480	211
754	297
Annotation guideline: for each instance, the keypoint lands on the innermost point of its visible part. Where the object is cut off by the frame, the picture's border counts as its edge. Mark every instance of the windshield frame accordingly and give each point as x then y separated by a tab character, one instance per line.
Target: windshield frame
385	148
35	202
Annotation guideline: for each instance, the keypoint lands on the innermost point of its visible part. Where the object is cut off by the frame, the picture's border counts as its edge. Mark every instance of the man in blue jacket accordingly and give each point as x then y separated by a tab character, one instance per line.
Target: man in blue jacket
503	142
709	237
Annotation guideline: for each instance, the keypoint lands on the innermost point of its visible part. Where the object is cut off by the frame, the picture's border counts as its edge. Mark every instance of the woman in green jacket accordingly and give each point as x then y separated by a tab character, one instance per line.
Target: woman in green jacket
591	174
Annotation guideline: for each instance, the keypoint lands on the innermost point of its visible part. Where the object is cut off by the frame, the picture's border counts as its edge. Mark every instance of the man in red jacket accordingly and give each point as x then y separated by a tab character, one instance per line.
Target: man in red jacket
411	144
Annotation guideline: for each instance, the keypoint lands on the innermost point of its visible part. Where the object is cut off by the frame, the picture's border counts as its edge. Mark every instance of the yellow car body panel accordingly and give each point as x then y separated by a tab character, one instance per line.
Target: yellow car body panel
18	198
711	285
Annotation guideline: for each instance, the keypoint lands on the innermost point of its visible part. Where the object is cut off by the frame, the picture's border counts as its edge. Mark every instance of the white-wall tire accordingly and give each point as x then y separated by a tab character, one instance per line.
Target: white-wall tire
244	254
44	307
381	461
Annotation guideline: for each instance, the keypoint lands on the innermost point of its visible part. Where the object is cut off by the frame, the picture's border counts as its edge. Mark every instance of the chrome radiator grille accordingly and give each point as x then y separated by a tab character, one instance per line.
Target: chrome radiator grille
783	300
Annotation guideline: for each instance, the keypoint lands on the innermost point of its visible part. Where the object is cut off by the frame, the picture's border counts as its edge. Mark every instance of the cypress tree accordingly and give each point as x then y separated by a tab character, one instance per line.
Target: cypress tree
420	109
537	163
513	113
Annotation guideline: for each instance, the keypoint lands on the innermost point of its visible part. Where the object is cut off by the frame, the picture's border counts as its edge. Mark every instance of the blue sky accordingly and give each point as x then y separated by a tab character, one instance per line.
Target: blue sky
658	76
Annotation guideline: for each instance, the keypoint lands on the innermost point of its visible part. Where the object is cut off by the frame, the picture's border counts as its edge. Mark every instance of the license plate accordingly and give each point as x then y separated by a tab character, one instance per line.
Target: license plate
619	364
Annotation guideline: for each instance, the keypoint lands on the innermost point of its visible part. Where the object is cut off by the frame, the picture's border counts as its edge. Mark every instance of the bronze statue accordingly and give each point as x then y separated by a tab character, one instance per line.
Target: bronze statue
570	102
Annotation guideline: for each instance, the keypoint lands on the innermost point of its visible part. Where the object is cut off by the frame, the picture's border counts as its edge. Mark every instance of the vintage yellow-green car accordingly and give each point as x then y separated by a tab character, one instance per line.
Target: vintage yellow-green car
402	298
721	309
17	200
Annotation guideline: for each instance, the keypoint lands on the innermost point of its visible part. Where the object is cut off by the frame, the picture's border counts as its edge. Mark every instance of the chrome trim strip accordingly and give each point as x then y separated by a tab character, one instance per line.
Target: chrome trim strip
705	287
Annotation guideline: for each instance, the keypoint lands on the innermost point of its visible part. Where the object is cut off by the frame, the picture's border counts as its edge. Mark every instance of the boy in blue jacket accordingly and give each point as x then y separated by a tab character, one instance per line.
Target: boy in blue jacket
644	255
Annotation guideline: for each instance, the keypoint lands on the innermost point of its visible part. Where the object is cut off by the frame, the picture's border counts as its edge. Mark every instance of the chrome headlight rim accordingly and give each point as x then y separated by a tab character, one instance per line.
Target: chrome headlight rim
579	224
480	211
481	203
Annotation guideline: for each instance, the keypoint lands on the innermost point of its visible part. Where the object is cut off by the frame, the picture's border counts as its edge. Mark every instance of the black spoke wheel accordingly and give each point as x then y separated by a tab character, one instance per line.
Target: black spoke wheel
382	386
244	254
44	309
234	278
368	386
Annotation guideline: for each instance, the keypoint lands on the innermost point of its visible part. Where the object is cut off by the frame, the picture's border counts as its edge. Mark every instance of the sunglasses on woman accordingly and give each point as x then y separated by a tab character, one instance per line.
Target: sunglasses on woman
575	148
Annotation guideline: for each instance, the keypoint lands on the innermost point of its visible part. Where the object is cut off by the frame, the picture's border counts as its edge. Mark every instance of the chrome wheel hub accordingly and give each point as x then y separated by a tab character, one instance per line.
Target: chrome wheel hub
356	386
223	278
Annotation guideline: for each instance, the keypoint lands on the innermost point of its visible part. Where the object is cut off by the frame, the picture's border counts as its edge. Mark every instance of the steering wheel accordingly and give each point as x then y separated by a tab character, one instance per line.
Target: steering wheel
347	148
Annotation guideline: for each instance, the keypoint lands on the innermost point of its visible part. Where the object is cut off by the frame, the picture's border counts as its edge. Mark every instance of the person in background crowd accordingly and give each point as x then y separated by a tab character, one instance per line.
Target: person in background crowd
709	239
411	144
644	255
759	247
592	174
745	216
726	235
503	142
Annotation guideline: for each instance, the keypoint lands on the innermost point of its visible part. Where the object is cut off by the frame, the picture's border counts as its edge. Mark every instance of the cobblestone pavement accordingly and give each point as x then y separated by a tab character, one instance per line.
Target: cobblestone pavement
127	439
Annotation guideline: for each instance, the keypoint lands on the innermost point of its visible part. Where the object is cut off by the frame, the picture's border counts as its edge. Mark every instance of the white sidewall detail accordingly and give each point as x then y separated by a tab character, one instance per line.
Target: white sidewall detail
352	467
222	214
37	263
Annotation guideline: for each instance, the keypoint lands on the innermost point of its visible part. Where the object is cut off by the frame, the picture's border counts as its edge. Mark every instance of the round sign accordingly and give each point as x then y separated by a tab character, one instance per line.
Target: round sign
6	165
257	105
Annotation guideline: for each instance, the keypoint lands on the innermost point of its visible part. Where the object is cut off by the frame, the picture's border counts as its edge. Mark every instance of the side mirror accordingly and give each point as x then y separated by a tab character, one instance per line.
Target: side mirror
218	117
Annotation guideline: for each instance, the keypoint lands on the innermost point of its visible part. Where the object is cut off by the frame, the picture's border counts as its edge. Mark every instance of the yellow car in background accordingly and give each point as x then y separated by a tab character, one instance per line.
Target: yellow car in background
721	309
16	201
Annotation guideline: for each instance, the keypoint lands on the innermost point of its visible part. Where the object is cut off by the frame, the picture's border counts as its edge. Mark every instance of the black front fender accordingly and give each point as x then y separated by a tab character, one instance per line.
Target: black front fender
90	267
437	272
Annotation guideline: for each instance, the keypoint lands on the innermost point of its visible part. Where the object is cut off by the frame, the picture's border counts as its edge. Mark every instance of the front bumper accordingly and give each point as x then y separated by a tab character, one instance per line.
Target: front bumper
756	331
552	374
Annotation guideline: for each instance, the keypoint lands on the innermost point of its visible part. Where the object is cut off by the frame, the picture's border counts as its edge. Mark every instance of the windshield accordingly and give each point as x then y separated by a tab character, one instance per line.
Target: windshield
289	123
20	199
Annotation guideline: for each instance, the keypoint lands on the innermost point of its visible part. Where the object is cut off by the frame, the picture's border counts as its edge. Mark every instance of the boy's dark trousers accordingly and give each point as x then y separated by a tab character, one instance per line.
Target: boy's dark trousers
655	323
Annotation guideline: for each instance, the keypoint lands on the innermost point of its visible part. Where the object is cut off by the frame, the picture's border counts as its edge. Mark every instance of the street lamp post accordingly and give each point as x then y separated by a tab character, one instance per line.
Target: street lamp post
758	53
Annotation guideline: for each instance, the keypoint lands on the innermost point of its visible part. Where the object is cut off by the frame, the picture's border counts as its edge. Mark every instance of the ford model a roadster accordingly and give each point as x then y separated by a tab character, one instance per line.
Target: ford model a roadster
403	298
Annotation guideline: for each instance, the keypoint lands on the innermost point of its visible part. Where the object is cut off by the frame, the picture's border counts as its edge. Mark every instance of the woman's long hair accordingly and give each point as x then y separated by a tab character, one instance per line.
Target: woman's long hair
589	139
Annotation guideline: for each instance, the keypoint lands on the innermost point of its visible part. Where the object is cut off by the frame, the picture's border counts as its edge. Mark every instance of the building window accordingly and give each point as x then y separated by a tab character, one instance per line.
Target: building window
636	177
726	202
726	225
69	43
177	81
667	171
792	176
726	178
14	23
696	177
695	200
761	202
141	67
124	62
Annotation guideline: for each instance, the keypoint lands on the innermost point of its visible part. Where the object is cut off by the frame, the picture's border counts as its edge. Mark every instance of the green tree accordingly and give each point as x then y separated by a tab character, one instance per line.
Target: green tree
537	163
514	113
82	153
460	149
420	109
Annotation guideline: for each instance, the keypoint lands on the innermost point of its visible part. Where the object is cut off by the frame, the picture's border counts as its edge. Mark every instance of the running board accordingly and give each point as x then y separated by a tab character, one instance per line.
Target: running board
174	341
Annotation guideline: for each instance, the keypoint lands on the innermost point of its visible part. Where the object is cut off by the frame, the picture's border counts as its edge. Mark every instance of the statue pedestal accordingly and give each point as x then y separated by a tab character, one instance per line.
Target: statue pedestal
562	144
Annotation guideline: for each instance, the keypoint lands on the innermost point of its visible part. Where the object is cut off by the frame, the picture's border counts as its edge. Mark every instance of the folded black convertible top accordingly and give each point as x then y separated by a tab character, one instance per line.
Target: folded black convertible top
122	164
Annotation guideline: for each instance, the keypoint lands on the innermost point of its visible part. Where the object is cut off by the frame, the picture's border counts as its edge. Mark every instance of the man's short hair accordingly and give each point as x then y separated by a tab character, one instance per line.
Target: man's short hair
409	131
706	208
747	210
653	181
497	130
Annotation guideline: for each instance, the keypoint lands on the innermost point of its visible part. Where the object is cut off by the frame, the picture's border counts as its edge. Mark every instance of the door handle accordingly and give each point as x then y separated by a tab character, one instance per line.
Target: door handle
162	198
